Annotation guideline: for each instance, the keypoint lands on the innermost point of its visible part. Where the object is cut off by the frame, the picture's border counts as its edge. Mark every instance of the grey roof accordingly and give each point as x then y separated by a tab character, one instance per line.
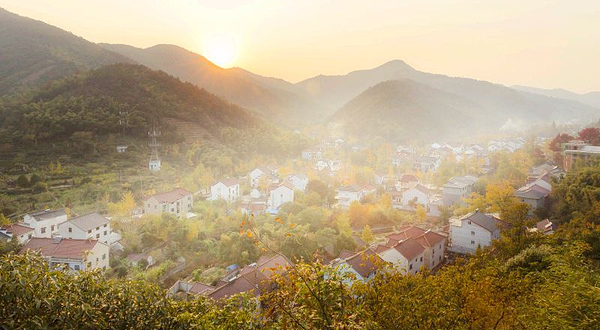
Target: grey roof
47	214
461	181
483	220
89	221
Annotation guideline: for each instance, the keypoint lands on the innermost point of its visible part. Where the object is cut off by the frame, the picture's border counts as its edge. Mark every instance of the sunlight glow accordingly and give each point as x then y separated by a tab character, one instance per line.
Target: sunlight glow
220	49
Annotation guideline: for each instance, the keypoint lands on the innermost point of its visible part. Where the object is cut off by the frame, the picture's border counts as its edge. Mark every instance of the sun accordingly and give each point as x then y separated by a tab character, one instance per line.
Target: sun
220	49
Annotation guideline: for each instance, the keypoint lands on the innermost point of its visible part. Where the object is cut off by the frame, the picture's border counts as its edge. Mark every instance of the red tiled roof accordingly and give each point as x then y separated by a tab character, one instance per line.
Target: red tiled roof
344	254
201	288
365	262
409	248
66	248
430	239
171	196
229	182
17	229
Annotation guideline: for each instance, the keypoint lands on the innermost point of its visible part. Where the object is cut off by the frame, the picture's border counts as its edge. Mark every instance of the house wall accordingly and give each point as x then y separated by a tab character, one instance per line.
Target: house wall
69	230
345	198
411	194
401	263
98	258
298	183
279	196
467	237
452	196
45	228
221	191
435	255
180	207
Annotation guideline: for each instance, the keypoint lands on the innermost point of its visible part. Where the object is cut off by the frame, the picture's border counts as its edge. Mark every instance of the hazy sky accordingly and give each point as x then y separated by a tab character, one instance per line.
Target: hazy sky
542	43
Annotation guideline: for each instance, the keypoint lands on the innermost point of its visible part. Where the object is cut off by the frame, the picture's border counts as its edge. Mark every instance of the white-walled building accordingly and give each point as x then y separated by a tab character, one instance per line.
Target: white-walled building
362	265
228	190
177	201
45	223
407	256
457	188
419	194
348	194
20	232
88	226
474	230
268	171
435	248
76	254
280	194
299	181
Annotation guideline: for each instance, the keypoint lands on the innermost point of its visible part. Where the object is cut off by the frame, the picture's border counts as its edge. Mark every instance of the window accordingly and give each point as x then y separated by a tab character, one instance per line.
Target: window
97	228
29	236
70	230
472	233
410	267
421	259
105	225
89	231
104	256
43	230
469	222
105	233
440	245
97	235
52	228
416	259
97	260
440	258
76	267
472	242
89	265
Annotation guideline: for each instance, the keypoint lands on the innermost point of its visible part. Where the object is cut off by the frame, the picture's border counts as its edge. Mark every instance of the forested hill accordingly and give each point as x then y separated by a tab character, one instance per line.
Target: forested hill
33	52
92	101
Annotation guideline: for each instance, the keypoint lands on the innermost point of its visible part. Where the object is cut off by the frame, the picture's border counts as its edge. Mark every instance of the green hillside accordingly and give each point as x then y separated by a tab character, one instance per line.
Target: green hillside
33	53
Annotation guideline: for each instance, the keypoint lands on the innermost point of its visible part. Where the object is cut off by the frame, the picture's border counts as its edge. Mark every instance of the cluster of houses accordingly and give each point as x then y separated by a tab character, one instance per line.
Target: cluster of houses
268	190
79	243
576	152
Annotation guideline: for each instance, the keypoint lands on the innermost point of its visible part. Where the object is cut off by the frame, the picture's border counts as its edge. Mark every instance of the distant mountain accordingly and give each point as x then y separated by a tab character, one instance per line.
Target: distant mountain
273	98
33	52
407	110
520	107
591	98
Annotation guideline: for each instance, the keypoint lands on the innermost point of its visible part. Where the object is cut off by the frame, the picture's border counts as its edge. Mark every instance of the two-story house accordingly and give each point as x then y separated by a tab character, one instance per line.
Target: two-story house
74	254
280	194
435	248
348	194
407	256
16	231
227	190
88	226
457	188
178	201
45	223
269	172
474	230
298	180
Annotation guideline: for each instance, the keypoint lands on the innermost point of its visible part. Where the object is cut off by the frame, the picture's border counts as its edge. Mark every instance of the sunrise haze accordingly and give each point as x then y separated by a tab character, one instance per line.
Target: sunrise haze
547	44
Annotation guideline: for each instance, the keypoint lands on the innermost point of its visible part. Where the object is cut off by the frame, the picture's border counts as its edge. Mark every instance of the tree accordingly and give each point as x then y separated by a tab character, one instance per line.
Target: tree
22	181
367	235
421	213
556	143
590	135
500	196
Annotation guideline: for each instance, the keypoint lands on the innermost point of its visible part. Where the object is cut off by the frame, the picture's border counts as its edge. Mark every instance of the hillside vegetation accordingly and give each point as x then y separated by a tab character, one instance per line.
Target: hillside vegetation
33	53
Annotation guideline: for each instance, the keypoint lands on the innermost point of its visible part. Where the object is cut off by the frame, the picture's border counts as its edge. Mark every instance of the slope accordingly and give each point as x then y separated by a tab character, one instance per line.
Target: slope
520	107
33	52
273	98
402	110
592	98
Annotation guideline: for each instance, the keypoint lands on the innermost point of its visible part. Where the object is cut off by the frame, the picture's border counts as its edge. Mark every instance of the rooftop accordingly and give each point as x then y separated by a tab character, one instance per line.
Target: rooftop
171	196
89	221
47	214
60	248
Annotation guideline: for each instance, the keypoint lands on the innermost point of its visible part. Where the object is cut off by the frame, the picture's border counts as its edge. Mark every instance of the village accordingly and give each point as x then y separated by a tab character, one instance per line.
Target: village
440	220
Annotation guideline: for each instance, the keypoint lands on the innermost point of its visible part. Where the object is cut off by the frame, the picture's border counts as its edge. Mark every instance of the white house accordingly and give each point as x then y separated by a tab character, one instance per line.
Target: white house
20	232
419	194
270	171
474	230
457	188
535	192
362	265
426	163
280	194
88	226
228	190
177	201
348	194
76	254
435	248
45	223
407	256
299	181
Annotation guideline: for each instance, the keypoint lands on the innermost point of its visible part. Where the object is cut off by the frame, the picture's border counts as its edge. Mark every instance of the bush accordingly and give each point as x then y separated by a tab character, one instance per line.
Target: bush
22	181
